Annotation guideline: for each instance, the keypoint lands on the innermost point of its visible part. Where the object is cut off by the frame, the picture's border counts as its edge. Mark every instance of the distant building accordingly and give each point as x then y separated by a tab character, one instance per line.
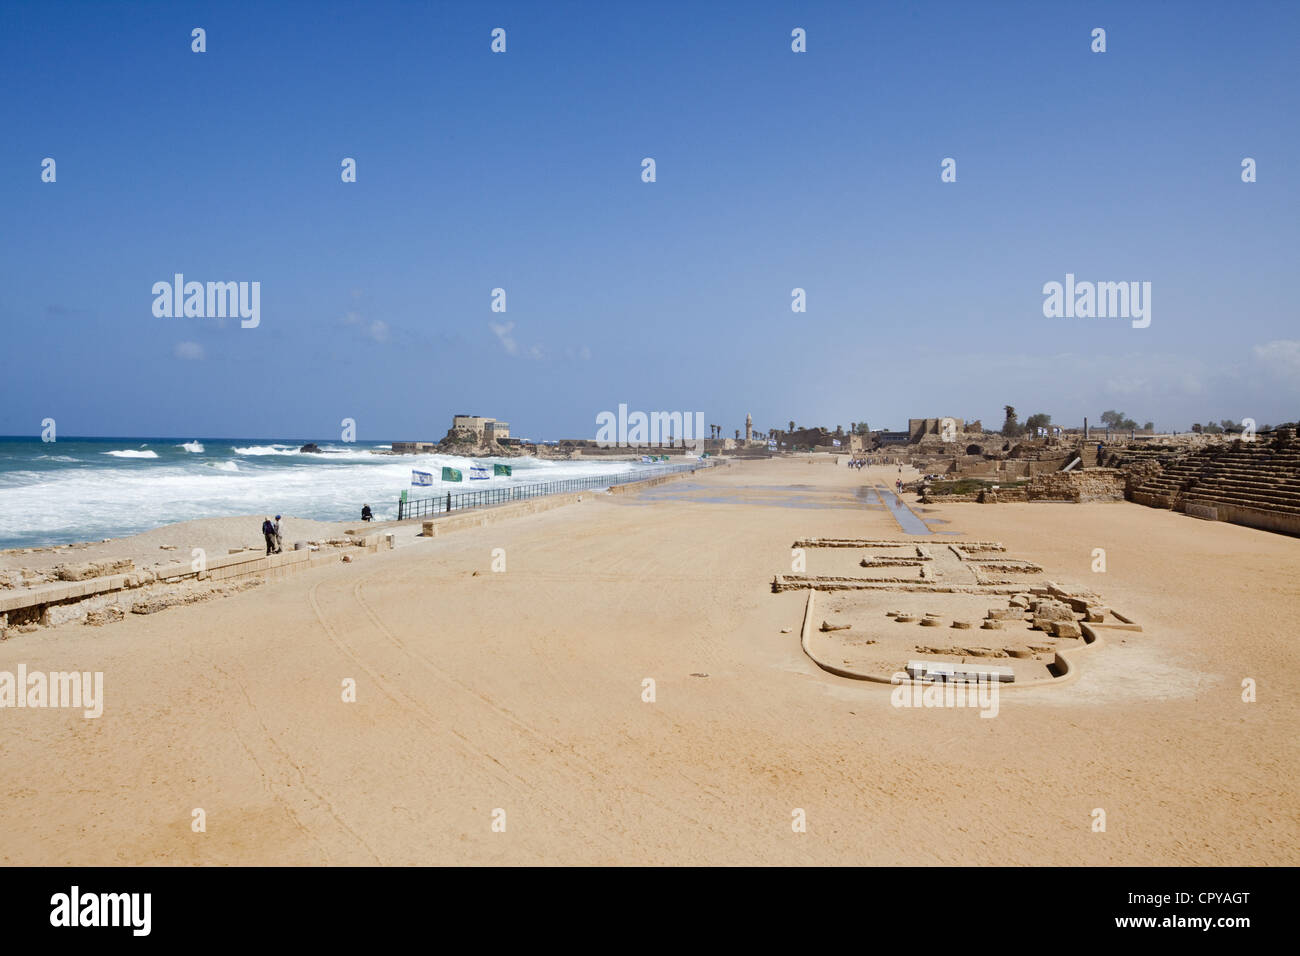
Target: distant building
484	429
414	447
918	428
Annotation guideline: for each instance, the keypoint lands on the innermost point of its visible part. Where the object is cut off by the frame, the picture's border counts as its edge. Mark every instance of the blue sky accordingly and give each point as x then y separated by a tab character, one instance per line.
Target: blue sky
522	170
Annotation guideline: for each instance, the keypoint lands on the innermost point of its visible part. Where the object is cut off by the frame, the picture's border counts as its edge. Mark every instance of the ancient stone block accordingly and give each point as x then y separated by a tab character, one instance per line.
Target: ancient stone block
1066	629
1051	610
106	615
1006	614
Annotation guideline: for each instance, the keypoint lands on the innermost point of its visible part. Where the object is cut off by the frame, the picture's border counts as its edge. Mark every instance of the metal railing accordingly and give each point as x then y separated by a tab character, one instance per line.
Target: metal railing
460	501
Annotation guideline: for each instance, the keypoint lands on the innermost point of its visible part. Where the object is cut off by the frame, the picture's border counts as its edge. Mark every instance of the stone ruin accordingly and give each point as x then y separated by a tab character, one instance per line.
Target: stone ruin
968	601
1254	483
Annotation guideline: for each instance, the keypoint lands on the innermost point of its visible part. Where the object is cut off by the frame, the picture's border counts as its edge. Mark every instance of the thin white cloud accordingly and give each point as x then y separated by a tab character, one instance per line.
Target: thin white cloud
502	332
375	329
1281	356
188	350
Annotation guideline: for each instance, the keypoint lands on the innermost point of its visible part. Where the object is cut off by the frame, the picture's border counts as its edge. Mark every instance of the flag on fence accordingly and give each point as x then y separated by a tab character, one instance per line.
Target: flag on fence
835	442
501	470
645	459
421	477
478	473
451	474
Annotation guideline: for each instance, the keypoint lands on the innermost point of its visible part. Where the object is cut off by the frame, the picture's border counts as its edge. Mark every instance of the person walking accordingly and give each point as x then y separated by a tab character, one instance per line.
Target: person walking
268	532
279	542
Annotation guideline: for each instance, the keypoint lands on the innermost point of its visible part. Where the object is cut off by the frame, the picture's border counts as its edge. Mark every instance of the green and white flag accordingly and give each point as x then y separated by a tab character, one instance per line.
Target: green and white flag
501	470
451	474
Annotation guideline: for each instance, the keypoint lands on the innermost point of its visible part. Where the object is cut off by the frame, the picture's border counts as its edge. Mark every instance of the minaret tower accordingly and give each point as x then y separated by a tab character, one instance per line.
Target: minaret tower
749	427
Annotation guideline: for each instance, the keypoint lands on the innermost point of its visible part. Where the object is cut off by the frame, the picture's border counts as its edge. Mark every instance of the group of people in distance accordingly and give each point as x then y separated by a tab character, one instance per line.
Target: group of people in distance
859	462
271	531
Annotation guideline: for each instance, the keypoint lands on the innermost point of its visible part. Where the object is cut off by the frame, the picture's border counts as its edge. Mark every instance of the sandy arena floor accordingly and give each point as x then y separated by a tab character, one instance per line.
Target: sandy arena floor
522	690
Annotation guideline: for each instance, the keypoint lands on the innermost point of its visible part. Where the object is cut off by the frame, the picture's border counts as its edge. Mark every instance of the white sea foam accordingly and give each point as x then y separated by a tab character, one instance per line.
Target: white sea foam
193	447
133	496
267	450
132	453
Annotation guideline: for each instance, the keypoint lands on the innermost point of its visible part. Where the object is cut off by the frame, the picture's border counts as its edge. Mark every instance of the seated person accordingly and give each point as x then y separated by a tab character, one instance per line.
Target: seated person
366	514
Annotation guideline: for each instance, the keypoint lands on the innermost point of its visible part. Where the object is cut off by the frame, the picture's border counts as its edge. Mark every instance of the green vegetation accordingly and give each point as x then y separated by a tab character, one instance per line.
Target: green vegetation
1010	426
1118	421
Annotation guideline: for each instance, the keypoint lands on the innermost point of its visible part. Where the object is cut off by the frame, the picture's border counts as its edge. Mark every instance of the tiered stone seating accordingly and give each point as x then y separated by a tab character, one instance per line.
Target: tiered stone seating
1255	483
1117	456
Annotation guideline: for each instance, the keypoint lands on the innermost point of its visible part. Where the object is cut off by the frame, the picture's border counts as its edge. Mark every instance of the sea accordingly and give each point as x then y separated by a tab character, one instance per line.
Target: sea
87	489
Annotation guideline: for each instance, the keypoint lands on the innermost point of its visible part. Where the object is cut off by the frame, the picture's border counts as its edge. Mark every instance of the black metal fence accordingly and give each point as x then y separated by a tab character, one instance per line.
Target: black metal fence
421	507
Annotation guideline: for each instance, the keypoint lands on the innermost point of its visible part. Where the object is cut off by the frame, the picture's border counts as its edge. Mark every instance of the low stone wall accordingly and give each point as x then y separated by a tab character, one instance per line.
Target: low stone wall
482	517
1002	495
53	604
1091	484
946	499
1255	517
1152	500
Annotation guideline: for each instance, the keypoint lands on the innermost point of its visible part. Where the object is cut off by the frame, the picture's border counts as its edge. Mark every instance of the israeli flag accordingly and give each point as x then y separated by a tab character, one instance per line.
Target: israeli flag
478	473
421	477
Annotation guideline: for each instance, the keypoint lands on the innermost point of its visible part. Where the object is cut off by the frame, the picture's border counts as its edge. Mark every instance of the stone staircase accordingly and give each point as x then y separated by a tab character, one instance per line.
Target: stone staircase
1254	483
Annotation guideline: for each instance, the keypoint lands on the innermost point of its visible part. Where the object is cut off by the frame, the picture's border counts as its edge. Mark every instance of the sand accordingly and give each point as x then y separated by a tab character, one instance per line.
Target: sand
522	691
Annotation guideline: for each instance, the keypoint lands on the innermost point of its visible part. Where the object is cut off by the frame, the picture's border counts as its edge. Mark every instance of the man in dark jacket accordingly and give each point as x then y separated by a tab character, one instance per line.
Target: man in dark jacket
268	532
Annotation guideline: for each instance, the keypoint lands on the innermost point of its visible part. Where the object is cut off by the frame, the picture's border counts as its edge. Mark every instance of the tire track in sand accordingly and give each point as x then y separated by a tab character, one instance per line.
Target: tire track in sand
277	789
